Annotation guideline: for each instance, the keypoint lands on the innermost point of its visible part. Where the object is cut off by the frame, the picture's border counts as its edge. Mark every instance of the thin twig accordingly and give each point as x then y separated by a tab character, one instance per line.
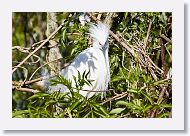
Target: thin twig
122	62
166	38
99	16
148	33
41	67
26	50
25	75
149	59
35	44
164	88
119	96
163	58
93	17
153	113
21	49
16	83
42	44
94	90
27	90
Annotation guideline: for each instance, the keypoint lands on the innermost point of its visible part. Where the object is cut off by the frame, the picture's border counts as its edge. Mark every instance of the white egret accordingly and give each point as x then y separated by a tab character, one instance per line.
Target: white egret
95	60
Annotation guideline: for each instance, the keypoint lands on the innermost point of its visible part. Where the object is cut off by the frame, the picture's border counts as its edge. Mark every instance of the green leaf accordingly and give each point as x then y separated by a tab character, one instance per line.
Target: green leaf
38	95
19	113
121	103
163	115
117	78
126	14
79	76
100	114
148	97
166	105
64	35
101	109
132	90
87	115
51	102
117	110
75	105
147	108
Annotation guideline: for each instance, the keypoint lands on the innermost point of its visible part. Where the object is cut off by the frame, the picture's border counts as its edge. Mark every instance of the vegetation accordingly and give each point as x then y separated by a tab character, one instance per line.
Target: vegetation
140	51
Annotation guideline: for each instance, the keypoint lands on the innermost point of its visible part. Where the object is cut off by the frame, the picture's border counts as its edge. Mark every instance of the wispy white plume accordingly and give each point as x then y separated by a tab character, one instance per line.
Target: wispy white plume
99	32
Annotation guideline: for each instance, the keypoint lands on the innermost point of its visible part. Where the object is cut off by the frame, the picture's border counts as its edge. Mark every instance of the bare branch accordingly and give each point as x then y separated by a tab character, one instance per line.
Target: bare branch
166	38
118	96
153	113
148	33
27	90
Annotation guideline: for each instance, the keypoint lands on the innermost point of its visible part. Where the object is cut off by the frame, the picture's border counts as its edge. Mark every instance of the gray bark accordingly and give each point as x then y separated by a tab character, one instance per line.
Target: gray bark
54	52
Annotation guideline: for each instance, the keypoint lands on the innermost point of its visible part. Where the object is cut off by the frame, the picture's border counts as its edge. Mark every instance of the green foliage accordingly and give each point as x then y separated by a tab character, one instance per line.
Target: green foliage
134	92
69	104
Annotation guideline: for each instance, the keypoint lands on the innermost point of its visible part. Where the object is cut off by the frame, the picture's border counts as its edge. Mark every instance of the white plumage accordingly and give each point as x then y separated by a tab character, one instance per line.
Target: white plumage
94	59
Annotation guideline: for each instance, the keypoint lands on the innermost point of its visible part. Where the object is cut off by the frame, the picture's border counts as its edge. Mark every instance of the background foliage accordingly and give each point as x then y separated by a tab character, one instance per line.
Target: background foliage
137	90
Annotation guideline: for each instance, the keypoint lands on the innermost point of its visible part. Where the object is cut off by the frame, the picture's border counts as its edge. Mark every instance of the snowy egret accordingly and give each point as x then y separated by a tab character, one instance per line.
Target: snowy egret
95	60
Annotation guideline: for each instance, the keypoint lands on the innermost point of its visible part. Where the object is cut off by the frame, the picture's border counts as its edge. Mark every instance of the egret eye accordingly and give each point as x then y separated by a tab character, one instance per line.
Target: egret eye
100	44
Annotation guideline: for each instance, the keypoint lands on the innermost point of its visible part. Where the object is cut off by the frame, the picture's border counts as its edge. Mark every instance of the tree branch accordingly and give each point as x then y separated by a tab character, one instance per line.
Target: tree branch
27	90
166	38
118	96
148	33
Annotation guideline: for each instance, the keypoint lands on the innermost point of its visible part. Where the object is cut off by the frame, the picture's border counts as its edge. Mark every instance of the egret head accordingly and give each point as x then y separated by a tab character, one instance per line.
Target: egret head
99	33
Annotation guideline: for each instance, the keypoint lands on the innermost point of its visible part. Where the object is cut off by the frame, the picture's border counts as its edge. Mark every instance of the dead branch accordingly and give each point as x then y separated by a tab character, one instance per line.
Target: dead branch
166	38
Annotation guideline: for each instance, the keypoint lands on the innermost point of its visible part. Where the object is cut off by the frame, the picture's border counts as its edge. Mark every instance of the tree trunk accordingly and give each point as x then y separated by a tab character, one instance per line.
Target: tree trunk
54	52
